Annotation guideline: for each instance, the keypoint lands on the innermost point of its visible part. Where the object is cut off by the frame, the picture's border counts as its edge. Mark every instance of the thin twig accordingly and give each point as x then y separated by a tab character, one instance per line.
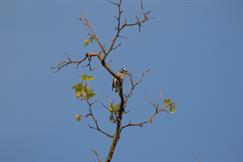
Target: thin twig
134	83
97	155
96	127
119	27
93	34
62	64
150	119
69	61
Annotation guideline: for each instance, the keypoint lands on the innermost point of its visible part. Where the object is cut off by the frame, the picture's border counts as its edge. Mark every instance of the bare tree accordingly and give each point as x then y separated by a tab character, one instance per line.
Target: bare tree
117	110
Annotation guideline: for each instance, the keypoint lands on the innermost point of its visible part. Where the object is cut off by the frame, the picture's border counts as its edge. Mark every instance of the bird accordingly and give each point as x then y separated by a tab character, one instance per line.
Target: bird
116	85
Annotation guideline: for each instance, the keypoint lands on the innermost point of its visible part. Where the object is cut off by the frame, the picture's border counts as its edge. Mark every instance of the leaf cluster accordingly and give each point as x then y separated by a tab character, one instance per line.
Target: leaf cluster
171	105
82	90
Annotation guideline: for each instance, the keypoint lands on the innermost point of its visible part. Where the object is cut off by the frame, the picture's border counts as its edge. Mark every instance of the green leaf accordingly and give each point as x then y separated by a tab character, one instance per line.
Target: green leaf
90	94
86	42
84	94
87	93
86	77
78	117
78	94
77	86
117	107
172	108
114	108
167	102
90	78
83	91
111	107
111	118
78	90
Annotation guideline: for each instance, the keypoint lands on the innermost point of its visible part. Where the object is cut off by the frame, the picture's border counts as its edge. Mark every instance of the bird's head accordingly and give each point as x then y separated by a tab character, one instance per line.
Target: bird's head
124	71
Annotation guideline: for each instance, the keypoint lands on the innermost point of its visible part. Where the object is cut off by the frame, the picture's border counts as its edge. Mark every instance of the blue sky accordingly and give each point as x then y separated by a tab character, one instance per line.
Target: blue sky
194	49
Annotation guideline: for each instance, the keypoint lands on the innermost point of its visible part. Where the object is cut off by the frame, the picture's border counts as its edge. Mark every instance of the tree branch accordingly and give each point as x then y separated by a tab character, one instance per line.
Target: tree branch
97	127
69	61
149	120
63	64
97	155
119	27
134	83
93	34
118	127
102	55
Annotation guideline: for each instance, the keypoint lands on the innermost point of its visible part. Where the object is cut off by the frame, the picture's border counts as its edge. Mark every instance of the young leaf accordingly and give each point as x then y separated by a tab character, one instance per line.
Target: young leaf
90	78
111	117
90	94
87	93
83	91
84	94
78	90
86	42
78	94
172	108
117	108
86	77
167	102
77	86
114	108
111	107
78	117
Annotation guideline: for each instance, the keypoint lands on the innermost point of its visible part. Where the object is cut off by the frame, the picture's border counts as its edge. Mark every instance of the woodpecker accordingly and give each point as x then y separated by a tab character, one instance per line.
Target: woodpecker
115	83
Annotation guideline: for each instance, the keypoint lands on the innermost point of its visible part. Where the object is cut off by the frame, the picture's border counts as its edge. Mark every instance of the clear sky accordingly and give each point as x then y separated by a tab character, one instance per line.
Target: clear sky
194	49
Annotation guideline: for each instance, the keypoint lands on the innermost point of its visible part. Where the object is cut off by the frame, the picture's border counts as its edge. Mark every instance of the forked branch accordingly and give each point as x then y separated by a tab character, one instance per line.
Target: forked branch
93	34
135	83
157	109
96	127
121	26
88	58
